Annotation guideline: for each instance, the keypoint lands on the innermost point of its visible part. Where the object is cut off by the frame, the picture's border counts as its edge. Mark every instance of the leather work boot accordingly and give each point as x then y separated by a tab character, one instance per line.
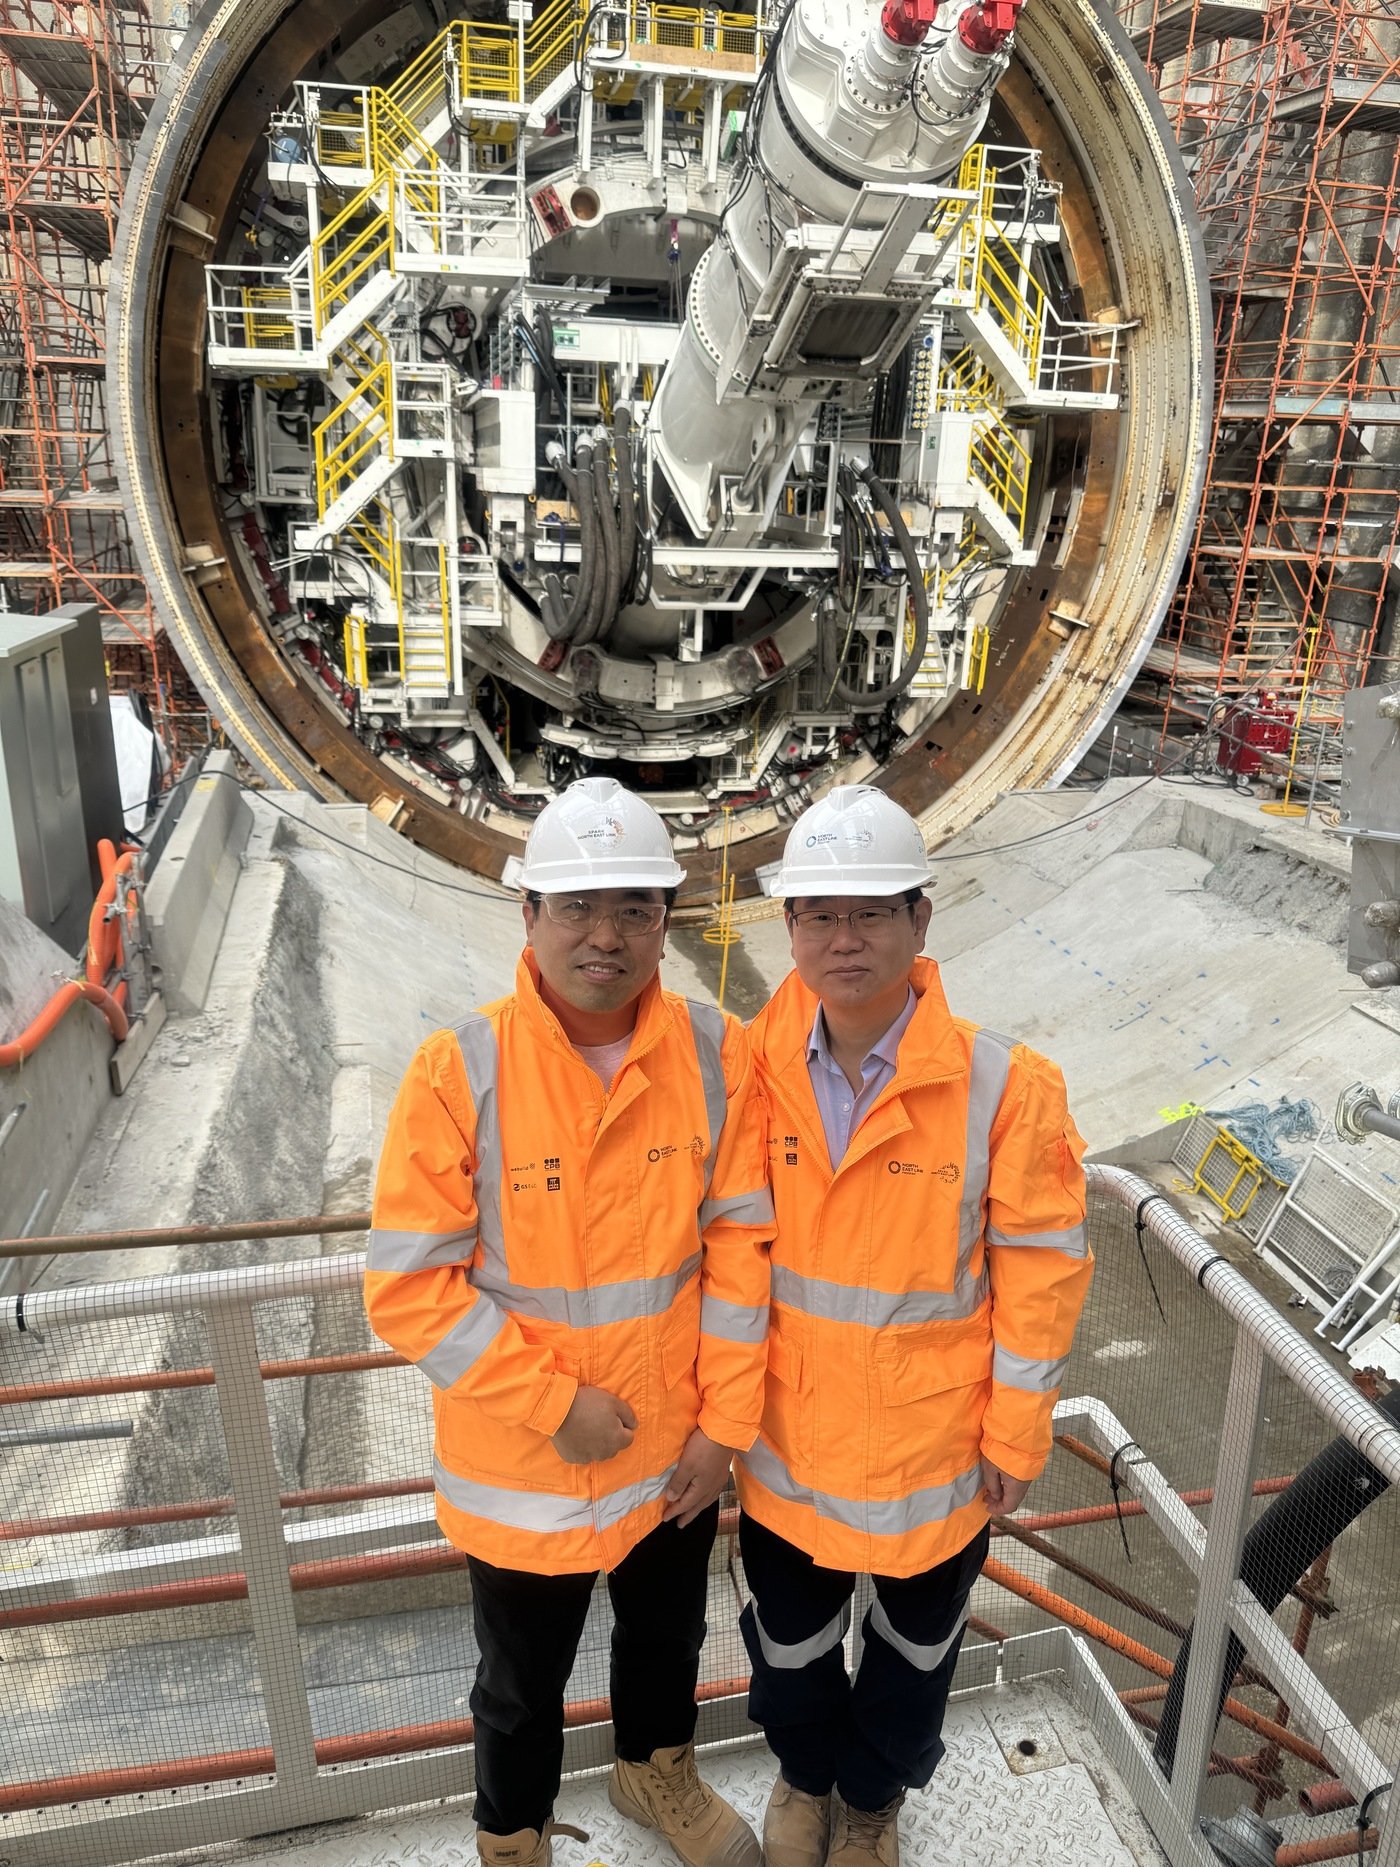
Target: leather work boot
796	1827
526	1848
668	1795
860	1837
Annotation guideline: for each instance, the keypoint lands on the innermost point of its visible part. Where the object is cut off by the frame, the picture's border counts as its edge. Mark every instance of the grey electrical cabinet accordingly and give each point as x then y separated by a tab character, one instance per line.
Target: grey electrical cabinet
54	780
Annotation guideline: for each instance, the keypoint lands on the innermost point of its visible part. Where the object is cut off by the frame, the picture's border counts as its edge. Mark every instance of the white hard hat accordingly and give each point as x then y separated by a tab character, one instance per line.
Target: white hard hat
596	835
853	841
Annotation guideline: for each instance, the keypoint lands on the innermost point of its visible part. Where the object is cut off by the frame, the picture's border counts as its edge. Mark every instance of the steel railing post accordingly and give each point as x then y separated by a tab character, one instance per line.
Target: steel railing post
1219	1576
252	1460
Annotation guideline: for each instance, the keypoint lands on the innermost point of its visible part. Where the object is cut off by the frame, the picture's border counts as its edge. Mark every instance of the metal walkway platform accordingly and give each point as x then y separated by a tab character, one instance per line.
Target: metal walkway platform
1024	1780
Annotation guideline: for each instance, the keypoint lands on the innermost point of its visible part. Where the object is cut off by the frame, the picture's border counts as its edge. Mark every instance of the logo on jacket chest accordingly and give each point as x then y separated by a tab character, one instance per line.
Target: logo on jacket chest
524	1177
948	1173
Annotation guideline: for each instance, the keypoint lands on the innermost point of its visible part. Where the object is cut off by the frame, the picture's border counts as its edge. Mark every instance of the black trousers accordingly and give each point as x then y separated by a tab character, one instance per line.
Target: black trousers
881	1734
527	1633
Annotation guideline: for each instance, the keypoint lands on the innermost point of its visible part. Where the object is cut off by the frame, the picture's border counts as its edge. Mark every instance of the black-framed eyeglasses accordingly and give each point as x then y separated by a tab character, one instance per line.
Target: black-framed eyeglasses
871	921
632	919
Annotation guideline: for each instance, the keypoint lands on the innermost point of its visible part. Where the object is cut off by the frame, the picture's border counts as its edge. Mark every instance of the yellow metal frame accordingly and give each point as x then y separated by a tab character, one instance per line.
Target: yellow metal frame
997	457
1250	1174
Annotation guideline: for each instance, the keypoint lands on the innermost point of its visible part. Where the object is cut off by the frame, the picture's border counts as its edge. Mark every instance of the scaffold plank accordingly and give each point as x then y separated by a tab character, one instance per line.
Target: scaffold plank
74	75
1199	23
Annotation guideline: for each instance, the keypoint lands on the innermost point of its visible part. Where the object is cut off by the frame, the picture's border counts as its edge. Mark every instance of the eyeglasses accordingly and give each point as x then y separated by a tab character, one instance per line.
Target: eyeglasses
632	919
869	921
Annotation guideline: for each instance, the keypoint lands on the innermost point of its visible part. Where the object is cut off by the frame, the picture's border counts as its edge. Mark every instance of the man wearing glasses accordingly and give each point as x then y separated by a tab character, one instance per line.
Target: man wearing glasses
928	1270
571	1229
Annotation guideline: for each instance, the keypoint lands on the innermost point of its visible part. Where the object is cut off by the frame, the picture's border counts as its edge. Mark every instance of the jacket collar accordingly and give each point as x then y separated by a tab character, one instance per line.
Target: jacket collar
929	1049
654	1016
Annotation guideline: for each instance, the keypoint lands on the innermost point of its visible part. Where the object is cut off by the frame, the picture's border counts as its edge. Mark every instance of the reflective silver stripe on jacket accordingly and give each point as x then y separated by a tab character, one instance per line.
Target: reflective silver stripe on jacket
1073	1241
1033	1377
626	1301
740	1209
542	1510
707	1029
733	1322
800	1653
419	1251
991	1065
481	1057
463	1345
877	1309
924	1659
930	1504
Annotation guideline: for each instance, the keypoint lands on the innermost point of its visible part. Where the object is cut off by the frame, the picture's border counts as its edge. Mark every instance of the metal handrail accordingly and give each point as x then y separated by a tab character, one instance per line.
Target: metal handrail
380	1545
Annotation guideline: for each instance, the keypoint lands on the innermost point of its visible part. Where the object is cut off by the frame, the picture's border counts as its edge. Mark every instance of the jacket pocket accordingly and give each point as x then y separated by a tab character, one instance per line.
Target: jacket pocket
934	1383
787	1403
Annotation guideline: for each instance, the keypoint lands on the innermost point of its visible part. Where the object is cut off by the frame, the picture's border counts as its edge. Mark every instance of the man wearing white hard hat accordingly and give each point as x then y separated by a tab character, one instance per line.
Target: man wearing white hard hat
928	1270
571	1229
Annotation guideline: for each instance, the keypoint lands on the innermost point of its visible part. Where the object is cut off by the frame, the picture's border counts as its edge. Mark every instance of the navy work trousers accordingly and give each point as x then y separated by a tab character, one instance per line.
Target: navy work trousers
528	1629
876	1736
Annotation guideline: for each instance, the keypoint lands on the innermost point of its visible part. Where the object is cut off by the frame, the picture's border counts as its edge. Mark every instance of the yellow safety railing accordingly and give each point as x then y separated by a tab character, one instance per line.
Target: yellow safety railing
998	459
342	138
374	531
1016	299
357	242
356	652
965	383
359	427
970	548
267	316
724	933
991	270
977	660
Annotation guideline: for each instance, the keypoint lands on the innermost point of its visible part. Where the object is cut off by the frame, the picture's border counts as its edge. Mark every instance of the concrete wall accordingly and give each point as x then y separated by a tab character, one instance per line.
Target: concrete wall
188	897
56	1097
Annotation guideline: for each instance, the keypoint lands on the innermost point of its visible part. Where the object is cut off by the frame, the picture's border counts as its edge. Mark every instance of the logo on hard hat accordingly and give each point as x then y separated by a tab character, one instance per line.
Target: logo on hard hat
815	840
860	838
608	831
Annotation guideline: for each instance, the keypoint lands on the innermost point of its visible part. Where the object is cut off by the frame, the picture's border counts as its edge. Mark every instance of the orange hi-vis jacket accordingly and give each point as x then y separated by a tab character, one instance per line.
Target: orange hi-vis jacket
924	1294
532	1233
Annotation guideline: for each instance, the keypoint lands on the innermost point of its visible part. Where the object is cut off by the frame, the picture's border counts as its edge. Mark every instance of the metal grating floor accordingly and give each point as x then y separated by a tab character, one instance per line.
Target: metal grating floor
990	1803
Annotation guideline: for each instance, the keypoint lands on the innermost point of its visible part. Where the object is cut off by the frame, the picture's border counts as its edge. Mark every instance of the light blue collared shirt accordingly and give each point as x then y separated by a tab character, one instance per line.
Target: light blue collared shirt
842	1108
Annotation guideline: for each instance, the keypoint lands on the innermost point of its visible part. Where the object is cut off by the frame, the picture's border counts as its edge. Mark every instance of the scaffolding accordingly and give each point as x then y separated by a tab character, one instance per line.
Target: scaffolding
76	80
1287	113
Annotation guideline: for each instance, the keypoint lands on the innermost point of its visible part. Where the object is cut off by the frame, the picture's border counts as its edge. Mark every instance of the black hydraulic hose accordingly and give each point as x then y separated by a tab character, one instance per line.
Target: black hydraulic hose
1330	1492
867	699
562	615
607	586
626	499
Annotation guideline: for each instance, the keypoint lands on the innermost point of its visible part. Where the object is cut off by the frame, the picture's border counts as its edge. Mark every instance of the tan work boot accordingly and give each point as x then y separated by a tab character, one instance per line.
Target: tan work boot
668	1795
862	1836
796	1827
525	1848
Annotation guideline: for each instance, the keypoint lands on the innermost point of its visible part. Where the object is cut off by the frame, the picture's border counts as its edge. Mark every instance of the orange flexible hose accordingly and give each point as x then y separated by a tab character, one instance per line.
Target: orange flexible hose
23	1046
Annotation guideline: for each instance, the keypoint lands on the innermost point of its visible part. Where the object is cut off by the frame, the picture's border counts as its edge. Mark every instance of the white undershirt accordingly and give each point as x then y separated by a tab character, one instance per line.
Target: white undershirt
605	1060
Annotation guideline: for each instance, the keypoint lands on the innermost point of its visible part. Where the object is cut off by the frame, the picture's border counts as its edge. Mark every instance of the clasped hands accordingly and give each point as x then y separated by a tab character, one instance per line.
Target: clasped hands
599	1425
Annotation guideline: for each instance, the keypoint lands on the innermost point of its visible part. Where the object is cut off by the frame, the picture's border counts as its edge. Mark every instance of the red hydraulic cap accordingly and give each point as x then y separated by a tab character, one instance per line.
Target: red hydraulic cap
986	27
906	22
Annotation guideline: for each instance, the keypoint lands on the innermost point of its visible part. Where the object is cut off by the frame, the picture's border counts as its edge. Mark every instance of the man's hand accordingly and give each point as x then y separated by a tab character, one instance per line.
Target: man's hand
700	1475
597	1426
1001	1493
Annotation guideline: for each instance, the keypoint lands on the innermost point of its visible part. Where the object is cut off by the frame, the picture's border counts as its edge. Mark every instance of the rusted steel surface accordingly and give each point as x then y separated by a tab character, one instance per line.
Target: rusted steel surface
226	1765
195	1510
158	1379
1118	1642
